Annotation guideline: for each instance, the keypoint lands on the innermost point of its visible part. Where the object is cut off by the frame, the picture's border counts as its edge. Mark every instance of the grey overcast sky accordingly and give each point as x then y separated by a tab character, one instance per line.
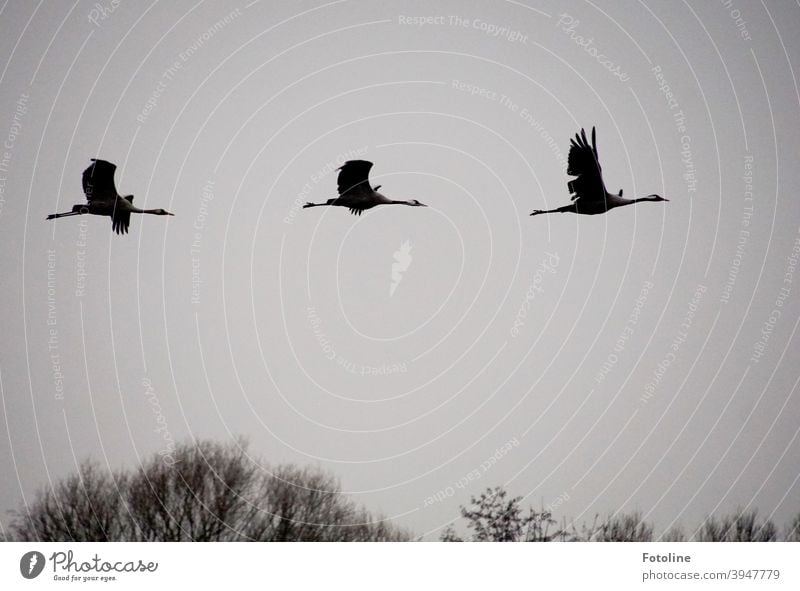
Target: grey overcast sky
642	360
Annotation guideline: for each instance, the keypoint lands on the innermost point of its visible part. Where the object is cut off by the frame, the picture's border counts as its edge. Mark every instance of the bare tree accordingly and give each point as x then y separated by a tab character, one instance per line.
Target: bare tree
449	534
207	492
83	507
673	534
218	492
204	495
793	530
743	526
495	518
623	528
306	505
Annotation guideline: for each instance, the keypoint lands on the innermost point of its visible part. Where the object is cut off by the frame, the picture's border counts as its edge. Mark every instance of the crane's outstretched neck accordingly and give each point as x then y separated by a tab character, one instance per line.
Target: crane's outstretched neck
411	202
152	211
649	198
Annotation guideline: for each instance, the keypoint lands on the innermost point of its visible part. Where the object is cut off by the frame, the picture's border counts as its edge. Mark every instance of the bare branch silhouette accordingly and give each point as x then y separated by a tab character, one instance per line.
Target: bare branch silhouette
208	492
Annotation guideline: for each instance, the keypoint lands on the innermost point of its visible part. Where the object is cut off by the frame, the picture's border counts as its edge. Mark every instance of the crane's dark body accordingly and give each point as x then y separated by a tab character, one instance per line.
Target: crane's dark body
355	191
102	198
588	190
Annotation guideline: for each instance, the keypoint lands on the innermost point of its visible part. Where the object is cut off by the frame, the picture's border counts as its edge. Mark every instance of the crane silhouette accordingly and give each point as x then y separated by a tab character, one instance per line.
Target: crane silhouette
102	198
355	191
589	194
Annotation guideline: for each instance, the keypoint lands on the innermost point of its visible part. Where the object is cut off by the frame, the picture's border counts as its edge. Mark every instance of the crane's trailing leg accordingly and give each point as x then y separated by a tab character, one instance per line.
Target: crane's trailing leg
76	210
567	208
328	202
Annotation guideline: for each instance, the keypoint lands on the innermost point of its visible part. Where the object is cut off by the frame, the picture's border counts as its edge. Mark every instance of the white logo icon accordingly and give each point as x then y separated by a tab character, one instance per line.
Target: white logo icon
403	258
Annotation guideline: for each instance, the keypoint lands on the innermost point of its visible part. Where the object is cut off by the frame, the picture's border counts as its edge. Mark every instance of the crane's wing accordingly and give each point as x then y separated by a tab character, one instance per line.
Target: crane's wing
98	181
355	201
354	177
120	220
584	164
